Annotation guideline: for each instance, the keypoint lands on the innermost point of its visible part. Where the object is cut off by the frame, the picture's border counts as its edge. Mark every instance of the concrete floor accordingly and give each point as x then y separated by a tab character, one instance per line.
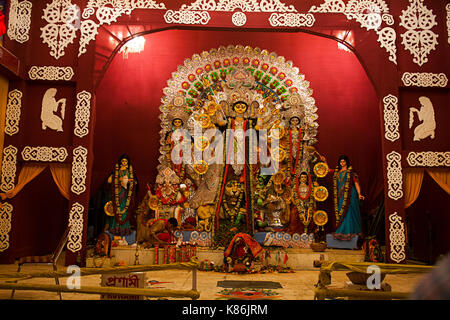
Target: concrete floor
295	286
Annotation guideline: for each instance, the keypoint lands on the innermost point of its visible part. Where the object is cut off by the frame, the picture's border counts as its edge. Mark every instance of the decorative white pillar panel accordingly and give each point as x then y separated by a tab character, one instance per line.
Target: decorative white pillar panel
394	175
79	170
9	167
391	118
5	225
397	238
76	221
19	20
82	114
13	112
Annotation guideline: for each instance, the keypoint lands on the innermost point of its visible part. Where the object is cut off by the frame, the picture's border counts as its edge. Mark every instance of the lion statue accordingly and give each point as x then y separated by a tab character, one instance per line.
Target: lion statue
232	205
144	214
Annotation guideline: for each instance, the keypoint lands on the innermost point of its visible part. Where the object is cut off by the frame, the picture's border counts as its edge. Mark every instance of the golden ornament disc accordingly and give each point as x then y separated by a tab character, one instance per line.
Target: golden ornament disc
278	154
278	177
211	108
276	132
204	120
201	167
178	101
320	193
153	202
109	209
320	217
295	99
202	143
262	110
321	169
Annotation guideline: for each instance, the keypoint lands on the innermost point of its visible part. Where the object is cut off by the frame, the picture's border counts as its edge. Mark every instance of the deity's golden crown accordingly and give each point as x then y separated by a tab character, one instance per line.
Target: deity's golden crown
295	105
240	95
178	113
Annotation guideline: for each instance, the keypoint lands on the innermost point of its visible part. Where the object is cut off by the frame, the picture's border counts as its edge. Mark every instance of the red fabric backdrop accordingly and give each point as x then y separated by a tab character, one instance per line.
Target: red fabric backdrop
128	100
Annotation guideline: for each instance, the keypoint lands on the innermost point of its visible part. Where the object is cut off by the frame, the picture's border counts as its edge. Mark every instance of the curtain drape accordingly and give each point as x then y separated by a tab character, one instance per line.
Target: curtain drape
412	182
61	173
413	177
442	177
62	176
28	173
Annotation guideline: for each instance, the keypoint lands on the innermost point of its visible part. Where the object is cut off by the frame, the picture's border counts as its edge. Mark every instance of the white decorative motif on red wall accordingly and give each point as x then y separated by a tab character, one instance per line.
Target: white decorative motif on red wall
82	114
45	154
239	19
394	175
51	73
187	17
9	167
397	238
60	30
19	21
107	12
291	20
243	5
5	225
74	240
419	40
13	112
391	118
424	79
79	170
371	14
428	159
448	21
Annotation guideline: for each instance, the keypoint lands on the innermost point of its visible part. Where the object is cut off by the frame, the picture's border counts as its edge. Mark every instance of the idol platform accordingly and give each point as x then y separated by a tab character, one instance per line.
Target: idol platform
281	250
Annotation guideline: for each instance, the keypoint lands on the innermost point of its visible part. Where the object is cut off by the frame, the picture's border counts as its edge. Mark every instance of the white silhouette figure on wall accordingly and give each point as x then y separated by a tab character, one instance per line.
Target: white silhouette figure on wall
49	108
426	115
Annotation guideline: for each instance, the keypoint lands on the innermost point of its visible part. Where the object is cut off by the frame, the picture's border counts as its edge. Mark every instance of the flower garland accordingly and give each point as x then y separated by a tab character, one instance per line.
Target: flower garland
116	206
297	201
228	148
177	168
292	168
340	214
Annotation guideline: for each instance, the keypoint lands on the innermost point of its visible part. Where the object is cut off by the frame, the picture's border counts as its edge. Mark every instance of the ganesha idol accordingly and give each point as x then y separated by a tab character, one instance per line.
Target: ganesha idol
172	195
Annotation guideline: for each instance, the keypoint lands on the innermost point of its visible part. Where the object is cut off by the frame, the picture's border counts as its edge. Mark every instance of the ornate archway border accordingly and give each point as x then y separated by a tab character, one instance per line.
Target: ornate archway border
99	9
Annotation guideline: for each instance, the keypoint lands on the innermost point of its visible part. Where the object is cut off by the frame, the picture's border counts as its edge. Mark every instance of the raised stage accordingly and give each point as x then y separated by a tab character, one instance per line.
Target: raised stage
297	258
